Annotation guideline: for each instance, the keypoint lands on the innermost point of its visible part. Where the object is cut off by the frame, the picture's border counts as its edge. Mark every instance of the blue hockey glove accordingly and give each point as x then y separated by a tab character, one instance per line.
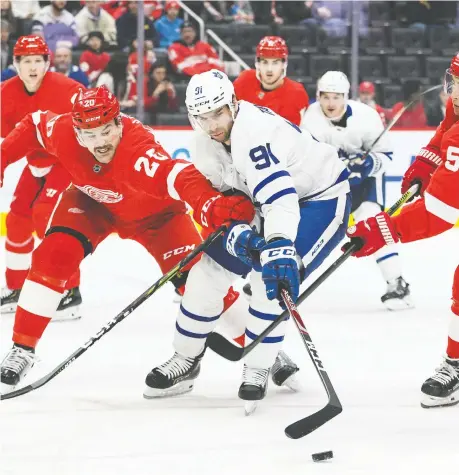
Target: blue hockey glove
360	168
243	242
280	269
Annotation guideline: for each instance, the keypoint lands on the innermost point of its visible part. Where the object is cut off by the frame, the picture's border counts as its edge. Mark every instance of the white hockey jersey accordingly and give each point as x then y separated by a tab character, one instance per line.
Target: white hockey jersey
363	126
275	163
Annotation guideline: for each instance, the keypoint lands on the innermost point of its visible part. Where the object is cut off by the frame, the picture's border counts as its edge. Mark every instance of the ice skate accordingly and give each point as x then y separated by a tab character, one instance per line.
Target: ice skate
15	366
69	306
253	387
397	296
176	376
283	372
9	300
442	389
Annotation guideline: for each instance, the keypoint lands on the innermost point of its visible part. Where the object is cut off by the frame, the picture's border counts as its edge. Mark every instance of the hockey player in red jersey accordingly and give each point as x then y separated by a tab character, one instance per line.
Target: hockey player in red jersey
123	181
42	180
436	212
267	84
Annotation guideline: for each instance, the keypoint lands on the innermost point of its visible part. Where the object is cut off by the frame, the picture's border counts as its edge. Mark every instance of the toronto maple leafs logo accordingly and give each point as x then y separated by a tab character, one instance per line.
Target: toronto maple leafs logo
217	74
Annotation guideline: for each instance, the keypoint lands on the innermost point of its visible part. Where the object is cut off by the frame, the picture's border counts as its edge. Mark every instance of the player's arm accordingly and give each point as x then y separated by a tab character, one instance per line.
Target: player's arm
157	174
429	157
31	133
434	214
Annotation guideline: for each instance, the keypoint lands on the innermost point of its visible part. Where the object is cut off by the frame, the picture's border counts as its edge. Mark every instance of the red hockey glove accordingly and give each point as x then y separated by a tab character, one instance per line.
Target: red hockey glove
421	170
372	234
219	209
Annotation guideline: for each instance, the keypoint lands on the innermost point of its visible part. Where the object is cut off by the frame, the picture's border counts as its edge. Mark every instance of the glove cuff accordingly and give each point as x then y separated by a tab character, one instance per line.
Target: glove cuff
429	156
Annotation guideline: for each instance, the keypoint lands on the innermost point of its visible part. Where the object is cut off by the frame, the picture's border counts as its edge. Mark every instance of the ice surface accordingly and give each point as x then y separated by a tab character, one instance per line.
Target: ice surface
93	420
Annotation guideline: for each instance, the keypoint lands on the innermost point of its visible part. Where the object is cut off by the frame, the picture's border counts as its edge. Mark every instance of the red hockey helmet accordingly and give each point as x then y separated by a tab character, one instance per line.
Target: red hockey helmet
94	107
30	45
272	47
452	75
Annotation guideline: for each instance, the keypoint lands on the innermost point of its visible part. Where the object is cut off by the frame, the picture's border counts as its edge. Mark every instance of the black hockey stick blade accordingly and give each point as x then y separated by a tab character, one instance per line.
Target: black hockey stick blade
310	423
119	318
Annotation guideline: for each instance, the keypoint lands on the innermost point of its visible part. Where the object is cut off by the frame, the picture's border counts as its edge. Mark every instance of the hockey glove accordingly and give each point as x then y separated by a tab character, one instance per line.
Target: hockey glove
219	209
372	234
280	269
421	170
243	242
360	168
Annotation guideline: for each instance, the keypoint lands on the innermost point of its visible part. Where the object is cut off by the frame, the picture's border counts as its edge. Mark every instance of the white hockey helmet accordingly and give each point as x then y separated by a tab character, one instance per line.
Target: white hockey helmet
334	81
209	91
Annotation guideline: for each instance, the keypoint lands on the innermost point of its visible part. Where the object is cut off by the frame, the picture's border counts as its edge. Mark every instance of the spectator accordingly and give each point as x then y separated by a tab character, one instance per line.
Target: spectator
6	53
58	24
62	63
290	12
420	14
241	12
168	26
215	11
24	11
334	17
94	60
7	14
189	56
367	96
159	92
149	58
115	8
93	18
127	27
436	110
414	117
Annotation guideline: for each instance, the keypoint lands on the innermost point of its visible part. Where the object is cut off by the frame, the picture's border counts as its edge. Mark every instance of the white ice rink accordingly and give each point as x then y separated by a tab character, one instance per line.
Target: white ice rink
93	420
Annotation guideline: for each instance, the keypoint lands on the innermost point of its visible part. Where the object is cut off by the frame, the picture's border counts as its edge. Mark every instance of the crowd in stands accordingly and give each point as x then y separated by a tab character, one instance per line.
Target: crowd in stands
95	42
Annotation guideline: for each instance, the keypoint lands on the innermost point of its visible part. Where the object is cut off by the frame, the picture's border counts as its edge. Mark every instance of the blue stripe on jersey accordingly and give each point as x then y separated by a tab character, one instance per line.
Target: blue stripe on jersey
261	315
344	175
198	317
190	334
279	194
388	256
268	180
266	339
388	154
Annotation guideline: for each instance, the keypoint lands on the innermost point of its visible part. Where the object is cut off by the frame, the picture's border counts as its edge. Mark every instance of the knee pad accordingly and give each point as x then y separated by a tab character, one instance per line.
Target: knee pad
455	304
56	259
18	231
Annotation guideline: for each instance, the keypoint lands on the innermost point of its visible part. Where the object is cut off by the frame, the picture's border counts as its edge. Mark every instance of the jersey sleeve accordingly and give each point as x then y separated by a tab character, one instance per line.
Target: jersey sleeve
438	211
240	86
445	125
32	133
157	174
270	183
7	123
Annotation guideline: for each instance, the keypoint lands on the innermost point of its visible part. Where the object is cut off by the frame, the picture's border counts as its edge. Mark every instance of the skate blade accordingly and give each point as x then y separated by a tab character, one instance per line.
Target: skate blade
429	402
69	314
292	383
250	407
180	388
396	305
8	308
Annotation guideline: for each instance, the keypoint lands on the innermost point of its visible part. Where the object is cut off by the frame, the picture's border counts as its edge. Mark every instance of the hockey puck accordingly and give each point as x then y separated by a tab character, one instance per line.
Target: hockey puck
321	456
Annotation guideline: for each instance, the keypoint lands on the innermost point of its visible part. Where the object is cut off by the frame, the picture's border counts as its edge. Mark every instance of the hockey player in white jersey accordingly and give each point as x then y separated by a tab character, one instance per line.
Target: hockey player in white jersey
352	127
301	189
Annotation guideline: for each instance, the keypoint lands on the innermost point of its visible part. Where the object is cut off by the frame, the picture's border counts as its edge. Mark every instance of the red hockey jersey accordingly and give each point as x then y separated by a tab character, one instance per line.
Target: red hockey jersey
56	93
289	100
140	181
438	210
197	58
450	119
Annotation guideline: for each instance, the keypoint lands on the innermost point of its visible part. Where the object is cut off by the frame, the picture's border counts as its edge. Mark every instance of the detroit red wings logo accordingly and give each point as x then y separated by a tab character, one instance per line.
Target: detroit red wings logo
101	196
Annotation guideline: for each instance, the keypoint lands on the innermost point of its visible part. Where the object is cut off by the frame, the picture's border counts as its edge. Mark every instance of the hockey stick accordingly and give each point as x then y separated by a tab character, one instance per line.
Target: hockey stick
120	317
312	422
220	345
